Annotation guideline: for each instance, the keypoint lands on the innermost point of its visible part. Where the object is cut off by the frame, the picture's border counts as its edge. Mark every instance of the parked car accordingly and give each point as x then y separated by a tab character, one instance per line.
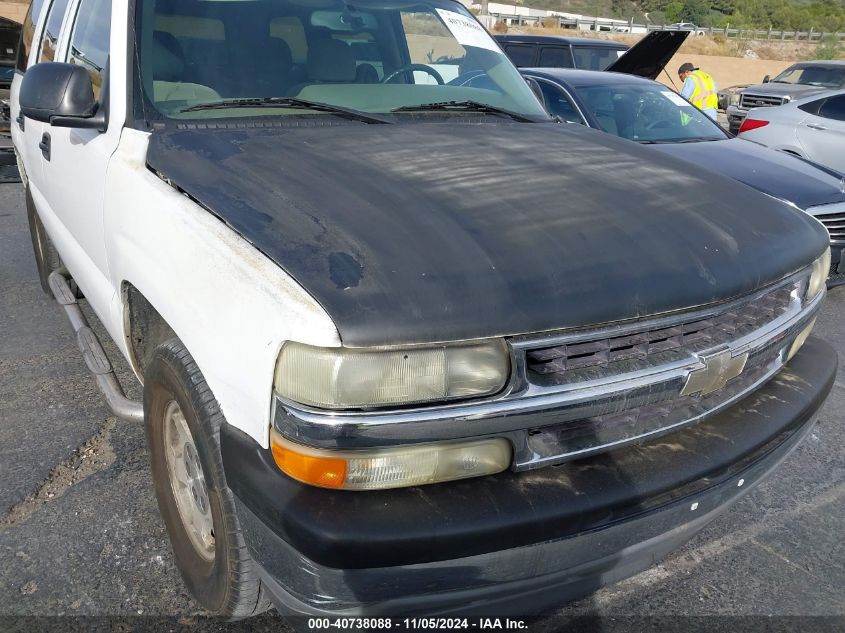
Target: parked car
649	113
10	33
800	80
370	315
813	128
560	52
649	56
726	94
686	26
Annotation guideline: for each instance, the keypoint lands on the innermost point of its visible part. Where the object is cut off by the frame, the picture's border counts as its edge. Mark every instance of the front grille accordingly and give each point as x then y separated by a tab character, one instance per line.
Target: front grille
759	101
588	360
835	225
628	385
584	435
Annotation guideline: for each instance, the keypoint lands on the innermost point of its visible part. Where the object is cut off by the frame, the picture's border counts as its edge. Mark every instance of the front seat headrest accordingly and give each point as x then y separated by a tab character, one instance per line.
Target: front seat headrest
330	61
168	58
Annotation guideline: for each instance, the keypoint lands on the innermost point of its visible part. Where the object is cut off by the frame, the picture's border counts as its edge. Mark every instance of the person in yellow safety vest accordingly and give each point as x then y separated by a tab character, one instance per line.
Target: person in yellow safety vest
700	89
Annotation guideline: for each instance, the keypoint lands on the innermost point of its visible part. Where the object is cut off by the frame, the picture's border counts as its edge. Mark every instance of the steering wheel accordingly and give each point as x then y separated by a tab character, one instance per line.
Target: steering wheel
470	79
660	123
412	67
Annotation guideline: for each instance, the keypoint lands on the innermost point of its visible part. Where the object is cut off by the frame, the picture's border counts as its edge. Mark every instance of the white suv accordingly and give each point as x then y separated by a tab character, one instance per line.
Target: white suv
371	308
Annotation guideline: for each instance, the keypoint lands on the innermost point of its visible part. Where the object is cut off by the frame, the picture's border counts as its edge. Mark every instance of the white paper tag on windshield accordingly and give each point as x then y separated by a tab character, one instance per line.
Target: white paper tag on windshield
467	31
677	100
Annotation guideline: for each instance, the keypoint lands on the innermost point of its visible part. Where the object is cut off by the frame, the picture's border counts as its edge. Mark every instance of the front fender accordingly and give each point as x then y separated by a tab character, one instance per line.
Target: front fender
230	305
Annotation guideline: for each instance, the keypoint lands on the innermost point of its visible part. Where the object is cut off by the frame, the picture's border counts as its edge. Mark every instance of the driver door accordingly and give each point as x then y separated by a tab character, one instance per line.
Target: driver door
75	168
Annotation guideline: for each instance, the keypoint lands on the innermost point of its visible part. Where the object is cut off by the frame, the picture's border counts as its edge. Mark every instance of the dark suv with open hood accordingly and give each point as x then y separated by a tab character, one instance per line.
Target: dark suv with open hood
407	346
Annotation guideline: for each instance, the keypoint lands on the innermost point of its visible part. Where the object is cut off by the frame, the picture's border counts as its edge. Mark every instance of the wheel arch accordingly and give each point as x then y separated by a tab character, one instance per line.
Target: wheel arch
144	329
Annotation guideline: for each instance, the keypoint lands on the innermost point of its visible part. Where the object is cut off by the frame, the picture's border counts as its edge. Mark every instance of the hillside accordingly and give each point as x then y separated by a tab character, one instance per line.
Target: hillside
820	15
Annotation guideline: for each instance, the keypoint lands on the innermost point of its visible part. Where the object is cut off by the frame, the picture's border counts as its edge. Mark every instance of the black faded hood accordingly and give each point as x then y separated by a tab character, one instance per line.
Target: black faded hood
424	232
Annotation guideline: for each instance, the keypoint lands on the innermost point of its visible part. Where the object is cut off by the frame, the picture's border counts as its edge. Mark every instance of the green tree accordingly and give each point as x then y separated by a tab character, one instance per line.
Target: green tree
828	48
673	10
725	7
696	11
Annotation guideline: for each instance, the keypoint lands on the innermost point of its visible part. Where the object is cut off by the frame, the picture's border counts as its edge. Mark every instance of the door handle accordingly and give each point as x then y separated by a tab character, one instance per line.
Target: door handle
21	121
44	145
814	126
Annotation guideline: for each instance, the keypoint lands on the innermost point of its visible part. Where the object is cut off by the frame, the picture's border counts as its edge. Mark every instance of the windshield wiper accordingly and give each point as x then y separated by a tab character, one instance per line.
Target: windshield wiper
286	102
672	141
698	139
463	106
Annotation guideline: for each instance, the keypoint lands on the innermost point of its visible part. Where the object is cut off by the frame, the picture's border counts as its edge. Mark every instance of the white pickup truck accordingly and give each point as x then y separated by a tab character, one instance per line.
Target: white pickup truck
406	346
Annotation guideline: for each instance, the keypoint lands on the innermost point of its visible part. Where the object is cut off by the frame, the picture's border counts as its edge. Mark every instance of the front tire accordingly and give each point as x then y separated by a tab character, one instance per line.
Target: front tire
183	422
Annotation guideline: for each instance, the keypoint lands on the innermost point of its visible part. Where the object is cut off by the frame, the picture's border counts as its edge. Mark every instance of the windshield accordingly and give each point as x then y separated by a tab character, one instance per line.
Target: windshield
822	76
647	113
374	56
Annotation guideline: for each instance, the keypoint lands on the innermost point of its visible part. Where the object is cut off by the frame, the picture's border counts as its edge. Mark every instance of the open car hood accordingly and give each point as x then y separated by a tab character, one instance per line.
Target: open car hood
648	57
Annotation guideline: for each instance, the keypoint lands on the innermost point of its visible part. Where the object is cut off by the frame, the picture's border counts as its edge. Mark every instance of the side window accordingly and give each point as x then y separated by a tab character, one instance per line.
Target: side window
432	44
812	107
521	55
51	31
89	44
555	57
558	103
833	108
28	33
594	57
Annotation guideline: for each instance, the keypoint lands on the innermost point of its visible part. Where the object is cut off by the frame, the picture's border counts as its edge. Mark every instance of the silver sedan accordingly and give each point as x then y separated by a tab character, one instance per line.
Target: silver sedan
813	128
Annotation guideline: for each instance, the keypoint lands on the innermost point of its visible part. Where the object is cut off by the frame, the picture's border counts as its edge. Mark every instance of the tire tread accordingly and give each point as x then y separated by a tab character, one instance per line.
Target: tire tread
245	595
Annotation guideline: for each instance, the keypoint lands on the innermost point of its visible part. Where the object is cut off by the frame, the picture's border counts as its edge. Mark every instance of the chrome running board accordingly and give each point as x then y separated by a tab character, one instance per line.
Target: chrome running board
94	354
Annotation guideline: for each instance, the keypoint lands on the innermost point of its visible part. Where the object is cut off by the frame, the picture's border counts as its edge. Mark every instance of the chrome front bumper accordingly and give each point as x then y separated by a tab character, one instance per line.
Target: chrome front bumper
515	543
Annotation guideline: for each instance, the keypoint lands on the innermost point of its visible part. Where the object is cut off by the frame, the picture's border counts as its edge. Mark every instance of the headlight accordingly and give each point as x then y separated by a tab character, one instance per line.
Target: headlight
818	278
735	99
340	378
395	467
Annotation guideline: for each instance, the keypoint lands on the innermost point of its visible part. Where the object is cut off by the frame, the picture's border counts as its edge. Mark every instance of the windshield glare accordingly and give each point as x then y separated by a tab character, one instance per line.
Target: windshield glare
374	56
822	76
647	113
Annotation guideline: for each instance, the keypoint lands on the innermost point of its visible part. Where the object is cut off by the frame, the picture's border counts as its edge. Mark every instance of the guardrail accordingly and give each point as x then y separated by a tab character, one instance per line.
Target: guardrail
619	26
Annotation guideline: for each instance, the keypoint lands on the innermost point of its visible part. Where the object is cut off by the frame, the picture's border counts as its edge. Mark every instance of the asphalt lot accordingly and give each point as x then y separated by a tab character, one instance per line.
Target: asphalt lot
80	532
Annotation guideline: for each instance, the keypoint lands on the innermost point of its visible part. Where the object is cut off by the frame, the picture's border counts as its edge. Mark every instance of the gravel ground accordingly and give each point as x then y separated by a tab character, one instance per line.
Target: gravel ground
80	533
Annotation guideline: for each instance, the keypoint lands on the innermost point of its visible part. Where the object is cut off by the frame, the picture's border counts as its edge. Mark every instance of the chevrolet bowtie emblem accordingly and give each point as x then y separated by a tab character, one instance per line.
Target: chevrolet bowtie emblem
718	369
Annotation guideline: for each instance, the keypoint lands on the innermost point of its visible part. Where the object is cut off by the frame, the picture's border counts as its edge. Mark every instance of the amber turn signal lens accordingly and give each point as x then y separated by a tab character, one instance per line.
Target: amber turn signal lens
390	467
325	472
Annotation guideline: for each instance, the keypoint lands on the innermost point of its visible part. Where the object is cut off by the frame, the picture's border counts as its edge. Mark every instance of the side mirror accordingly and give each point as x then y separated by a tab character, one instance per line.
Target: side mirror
61	95
766	79
536	89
